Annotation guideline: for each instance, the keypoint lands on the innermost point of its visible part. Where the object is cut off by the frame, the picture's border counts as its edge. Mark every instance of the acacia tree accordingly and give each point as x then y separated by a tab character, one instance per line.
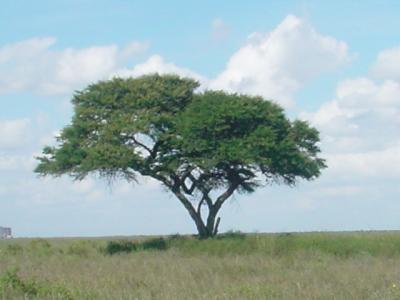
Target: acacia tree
202	147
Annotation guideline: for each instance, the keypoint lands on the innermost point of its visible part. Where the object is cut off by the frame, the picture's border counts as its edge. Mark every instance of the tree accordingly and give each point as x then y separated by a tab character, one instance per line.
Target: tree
203	147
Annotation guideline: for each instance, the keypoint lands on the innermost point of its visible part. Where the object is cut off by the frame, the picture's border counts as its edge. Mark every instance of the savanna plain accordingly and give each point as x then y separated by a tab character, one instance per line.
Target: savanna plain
352	265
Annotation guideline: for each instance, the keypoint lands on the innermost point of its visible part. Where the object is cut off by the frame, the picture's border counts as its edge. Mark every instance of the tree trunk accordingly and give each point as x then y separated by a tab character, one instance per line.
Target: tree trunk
212	224
210	228
195	215
211	221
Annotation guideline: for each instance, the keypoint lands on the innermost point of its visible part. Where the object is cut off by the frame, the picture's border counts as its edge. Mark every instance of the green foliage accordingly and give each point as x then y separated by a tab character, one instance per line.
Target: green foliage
356	265
10	281
194	144
339	245
221	132
40	247
153	244
81	248
214	131
237	243
114	247
108	117
124	246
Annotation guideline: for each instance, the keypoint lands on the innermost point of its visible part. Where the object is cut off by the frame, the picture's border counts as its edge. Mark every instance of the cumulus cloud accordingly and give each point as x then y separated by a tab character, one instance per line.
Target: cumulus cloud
16	163
359	125
360	128
14	133
20	141
387	65
365	115
31	65
277	64
157	64
274	65
379	164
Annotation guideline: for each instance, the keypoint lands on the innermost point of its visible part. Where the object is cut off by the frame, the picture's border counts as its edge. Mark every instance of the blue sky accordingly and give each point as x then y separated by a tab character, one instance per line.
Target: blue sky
335	64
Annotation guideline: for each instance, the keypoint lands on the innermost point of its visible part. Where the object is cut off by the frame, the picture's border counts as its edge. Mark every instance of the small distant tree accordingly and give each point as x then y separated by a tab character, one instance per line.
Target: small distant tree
202	147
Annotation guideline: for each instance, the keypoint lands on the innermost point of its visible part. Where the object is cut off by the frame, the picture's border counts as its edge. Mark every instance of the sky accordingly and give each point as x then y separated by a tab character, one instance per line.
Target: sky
335	64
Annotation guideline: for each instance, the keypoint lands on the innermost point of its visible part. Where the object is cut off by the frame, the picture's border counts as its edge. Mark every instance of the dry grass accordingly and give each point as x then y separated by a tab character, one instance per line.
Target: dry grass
299	266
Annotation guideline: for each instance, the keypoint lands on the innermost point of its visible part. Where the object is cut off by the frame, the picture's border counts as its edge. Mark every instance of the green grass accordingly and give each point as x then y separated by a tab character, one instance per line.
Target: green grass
232	266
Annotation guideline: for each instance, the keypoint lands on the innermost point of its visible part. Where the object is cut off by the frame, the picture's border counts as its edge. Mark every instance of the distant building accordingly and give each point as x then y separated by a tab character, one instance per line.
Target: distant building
5	233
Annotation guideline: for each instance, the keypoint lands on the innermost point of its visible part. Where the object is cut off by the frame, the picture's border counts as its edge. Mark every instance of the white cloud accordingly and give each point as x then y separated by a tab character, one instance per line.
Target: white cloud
387	65
133	49
84	186
277	64
26	49
16	163
274	65
360	126
364	116
46	191
14	133
156	64
380	164
21	140
219	30
31	65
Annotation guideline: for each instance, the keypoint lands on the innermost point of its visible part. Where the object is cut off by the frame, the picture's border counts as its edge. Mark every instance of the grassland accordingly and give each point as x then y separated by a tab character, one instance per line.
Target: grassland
234	266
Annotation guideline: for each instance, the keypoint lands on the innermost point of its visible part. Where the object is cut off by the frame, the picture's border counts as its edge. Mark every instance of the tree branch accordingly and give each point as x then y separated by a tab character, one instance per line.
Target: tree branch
143	146
216	226
187	190
155	149
186	175
225	195
205	191
192	212
199	206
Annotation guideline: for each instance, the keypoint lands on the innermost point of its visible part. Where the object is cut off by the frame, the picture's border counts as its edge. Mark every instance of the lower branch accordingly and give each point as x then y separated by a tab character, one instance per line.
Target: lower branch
196	216
215	231
209	228
222	198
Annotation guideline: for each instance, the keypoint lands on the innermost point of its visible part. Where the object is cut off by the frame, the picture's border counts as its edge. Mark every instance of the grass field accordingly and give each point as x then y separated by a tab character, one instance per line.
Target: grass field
233	266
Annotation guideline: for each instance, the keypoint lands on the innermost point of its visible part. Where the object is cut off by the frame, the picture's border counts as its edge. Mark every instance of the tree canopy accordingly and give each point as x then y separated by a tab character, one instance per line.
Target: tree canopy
202	146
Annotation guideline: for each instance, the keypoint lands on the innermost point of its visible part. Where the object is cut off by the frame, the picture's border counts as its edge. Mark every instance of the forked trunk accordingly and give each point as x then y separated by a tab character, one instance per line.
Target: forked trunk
209	228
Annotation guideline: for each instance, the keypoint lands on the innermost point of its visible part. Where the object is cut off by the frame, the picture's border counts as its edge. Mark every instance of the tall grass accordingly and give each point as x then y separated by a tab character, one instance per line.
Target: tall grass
337	244
232	266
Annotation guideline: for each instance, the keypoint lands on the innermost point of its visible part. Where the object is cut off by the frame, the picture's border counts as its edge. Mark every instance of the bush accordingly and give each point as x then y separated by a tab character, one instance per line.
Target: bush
114	247
31	288
153	244
11	280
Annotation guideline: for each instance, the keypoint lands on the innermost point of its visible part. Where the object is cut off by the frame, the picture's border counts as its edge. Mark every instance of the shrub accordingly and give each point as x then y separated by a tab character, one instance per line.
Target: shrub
154	244
114	247
11	280
31	288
